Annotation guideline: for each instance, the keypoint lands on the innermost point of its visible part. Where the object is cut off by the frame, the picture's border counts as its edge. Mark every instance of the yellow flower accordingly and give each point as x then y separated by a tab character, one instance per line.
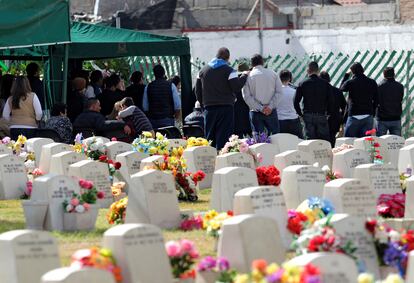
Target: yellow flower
153	150
365	278
21	139
147	134
291	274
77	147
272	268
242	278
394	278
159	136
257	276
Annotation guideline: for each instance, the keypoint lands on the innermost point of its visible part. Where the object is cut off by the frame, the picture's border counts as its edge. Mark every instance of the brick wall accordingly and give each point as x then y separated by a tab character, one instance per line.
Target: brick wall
407	10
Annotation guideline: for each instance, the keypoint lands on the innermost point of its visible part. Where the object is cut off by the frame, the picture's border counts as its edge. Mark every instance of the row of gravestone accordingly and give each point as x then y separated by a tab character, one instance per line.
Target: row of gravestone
32	256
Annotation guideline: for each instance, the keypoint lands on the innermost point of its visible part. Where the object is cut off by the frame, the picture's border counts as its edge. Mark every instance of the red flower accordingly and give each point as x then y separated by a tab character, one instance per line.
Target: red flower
117	165
376	144
85	184
370	139
378	156
198	176
370	225
259	264
315	243
268	176
114	139
230	213
103	158
110	161
100	195
371	132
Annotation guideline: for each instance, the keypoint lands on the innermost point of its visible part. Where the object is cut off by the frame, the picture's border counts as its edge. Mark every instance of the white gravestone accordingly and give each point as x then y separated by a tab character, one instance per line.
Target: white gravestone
285	141
241	242
345	161
201	158
406	158
299	182
5	150
150	161
26	255
410	268
140	253
153	199
13	177
96	172
72	275
344	140
104	140
48	151
320	150
267	151
409	199
35	145
227	182
353	229
55	189
59	163
175	143
131	164
235	159
391	146
351	196
409	141
292	157
334	267
265	201
383	178
115	147
363	144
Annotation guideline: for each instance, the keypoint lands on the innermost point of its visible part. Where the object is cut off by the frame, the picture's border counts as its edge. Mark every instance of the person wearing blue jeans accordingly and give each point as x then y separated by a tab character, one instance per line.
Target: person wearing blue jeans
261	93
390	97
362	101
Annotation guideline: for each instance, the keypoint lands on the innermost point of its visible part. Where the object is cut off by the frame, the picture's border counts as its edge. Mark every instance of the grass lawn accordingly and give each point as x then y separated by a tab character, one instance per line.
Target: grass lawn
11	218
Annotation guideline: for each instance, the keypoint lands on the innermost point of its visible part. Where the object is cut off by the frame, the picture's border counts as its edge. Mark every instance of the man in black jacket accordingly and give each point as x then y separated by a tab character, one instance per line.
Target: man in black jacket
362	102
91	118
390	97
338	109
33	75
317	103
216	86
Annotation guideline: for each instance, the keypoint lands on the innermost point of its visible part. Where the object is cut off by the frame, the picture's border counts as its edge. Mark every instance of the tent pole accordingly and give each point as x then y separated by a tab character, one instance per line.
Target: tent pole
65	74
187	99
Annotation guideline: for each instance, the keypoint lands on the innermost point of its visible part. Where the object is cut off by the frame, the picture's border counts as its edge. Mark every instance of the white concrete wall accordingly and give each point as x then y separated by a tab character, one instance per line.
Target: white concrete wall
300	42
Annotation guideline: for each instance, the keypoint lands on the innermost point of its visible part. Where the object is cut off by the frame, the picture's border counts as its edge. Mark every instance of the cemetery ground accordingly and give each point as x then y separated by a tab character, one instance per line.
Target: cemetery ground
12	218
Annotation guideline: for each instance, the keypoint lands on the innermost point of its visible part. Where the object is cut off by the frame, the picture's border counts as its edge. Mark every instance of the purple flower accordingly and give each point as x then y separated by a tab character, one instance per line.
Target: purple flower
396	256
313	279
275	277
206	264
223	264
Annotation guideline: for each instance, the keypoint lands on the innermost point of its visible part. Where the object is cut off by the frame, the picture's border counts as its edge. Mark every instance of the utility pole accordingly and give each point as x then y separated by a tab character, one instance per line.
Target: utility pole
261	23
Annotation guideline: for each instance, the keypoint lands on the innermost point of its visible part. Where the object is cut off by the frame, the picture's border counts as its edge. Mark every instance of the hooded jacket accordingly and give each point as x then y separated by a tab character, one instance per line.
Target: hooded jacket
217	84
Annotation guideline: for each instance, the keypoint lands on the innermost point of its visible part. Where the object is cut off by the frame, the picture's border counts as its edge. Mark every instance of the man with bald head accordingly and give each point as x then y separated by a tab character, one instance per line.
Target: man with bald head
216	86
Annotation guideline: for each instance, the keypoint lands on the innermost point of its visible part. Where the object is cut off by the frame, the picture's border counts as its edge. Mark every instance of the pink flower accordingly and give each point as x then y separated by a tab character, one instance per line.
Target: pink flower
74	202
6	140
187	246
85	184
194	254
87	206
114	139
29	188
173	249
259	157
244	147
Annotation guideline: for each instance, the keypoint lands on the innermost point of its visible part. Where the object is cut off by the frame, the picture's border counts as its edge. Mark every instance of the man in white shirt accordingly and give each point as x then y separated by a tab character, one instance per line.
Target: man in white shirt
261	92
288	118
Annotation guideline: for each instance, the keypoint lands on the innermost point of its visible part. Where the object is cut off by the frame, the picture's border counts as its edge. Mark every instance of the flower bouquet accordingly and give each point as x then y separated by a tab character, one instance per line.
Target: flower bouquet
113	167
78	145
258	138
152	146
185	182
182	256
94	148
97	258
268	176
117	212
190	223
192	142
330	175
392	246
372	147
272	273
237	145
391	205
118	190
27	191
212	221
212	270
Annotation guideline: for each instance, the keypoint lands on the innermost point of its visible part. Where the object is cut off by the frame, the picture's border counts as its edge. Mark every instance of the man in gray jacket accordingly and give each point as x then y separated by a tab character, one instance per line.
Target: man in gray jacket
216	86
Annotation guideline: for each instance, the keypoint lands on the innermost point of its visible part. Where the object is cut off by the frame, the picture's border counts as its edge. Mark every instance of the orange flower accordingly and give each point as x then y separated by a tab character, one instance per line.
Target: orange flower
260	264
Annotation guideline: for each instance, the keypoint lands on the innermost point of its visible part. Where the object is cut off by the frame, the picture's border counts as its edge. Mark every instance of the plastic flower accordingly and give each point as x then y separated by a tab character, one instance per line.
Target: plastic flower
78	138
87	206
74	202
173	249
80	209
365	278
85	184
393	278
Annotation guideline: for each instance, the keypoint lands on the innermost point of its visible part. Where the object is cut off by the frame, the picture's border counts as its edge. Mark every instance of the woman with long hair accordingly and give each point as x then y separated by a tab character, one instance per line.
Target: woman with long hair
23	108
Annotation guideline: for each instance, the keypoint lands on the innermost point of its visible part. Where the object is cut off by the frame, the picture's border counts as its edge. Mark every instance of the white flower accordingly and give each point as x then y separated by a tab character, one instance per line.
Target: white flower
80	209
316	164
326	169
394	236
69	208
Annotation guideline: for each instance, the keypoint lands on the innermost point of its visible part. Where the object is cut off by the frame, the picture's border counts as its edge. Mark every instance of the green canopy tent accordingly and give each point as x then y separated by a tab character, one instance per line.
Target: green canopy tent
90	42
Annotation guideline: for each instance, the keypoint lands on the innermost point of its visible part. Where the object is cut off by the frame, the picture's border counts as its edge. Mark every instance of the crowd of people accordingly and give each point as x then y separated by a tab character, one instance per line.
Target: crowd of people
246	102
274	105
